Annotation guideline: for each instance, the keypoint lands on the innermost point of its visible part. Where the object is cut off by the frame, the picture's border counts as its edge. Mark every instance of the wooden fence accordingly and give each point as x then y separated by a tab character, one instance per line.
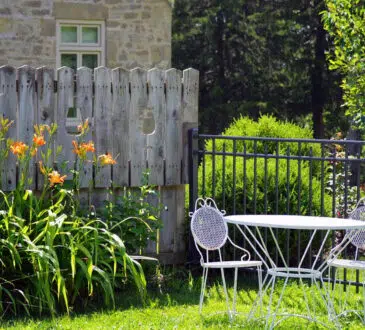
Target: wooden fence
141	116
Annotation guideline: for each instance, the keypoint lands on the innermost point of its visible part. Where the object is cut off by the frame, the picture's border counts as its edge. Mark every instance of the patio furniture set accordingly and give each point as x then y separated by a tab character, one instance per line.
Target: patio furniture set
209	228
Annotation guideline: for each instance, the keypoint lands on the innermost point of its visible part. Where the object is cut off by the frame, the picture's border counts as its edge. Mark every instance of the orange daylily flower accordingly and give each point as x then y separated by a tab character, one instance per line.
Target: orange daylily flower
76	147
38	140
82	148
106	159
89	147
55	178
18	148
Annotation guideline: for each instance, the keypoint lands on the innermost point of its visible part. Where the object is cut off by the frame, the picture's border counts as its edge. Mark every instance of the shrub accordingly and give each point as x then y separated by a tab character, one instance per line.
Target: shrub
260	177
271	197
266	185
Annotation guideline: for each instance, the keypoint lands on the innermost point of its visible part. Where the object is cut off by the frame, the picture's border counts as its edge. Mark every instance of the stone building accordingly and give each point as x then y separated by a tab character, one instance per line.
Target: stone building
91	33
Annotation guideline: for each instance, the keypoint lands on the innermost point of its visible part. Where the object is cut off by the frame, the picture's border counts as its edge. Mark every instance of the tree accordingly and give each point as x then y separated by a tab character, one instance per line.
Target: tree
344	20
255	57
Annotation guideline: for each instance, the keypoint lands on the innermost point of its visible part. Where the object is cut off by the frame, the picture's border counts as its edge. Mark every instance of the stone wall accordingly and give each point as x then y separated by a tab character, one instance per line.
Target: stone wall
138	32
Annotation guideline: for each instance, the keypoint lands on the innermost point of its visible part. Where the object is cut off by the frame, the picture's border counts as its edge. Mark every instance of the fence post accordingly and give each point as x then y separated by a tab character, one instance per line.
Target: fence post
193	256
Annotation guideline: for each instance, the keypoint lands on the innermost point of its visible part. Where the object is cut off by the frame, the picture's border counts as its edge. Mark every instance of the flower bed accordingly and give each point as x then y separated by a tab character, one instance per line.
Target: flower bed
56	252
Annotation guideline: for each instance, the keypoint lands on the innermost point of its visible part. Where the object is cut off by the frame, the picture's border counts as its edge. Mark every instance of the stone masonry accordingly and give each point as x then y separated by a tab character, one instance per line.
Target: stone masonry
137	32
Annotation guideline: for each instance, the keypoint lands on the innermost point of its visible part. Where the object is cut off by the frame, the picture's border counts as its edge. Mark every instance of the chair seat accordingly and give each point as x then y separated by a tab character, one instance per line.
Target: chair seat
346	263
232	264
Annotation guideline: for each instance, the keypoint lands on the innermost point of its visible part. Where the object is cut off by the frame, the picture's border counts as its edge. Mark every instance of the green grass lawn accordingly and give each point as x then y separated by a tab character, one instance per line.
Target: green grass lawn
174	305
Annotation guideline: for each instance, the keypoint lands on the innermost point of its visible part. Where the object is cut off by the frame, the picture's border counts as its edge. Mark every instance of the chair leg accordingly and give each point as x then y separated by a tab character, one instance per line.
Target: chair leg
234	292
263	287
259	271
204	283
335	292
226	293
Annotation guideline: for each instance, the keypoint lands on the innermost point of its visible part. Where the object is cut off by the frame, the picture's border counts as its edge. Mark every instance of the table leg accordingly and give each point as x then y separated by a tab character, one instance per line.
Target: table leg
273	278
255	240
329	303
259	298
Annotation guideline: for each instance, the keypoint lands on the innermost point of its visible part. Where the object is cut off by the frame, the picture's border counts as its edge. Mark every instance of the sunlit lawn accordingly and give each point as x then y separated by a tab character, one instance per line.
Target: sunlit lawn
176	307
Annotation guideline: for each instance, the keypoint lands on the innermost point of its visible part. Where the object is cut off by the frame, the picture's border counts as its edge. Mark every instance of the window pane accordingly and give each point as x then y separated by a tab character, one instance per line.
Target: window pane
72	112
90	35
69	34
69	60
90	60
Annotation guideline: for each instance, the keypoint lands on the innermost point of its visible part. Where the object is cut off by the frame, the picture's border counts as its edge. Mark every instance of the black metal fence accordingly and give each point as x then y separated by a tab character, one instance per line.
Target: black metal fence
257	175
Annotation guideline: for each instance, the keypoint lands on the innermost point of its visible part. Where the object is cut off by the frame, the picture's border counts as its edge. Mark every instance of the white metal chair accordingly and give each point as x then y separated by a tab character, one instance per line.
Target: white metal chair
210	232
358	240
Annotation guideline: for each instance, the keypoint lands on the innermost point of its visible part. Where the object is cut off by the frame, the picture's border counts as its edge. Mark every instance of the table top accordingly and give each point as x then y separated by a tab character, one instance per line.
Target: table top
295	222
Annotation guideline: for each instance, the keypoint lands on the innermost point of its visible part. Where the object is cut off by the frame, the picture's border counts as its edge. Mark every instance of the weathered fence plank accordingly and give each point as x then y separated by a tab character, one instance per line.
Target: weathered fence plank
8	108
27	103
120	125
102	113
157	127
190	95
84	103
45	96
172	243
152	247
138	140
26	117
45	113
173	141
190	105
65	158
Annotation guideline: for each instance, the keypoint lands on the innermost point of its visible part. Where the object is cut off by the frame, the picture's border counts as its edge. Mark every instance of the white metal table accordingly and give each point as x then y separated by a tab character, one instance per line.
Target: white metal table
315	225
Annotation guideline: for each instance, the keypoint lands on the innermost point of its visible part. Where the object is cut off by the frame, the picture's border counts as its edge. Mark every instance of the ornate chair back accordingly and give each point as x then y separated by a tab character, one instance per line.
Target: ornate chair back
358	238
208	227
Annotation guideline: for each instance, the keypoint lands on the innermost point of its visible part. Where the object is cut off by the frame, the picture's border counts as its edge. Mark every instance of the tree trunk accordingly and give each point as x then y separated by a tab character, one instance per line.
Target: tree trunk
317	79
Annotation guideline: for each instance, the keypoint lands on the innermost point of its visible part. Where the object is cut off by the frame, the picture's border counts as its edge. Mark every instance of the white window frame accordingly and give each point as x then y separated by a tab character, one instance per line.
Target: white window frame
78	47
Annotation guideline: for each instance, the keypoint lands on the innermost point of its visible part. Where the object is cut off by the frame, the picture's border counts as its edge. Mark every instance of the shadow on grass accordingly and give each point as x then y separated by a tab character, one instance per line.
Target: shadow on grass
171	286
180	286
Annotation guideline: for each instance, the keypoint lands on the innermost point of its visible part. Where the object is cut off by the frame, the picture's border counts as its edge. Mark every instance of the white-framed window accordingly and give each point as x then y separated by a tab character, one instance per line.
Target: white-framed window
80	43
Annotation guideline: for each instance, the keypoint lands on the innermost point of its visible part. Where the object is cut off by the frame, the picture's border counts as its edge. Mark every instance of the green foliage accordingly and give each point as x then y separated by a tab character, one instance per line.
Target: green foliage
339	185
344	20
255	57
52	260
264	185
135	216
261	182
52	257
269	126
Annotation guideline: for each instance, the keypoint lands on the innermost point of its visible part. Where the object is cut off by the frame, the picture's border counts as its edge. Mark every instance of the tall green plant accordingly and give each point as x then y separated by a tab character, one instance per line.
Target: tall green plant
59	260
51	257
